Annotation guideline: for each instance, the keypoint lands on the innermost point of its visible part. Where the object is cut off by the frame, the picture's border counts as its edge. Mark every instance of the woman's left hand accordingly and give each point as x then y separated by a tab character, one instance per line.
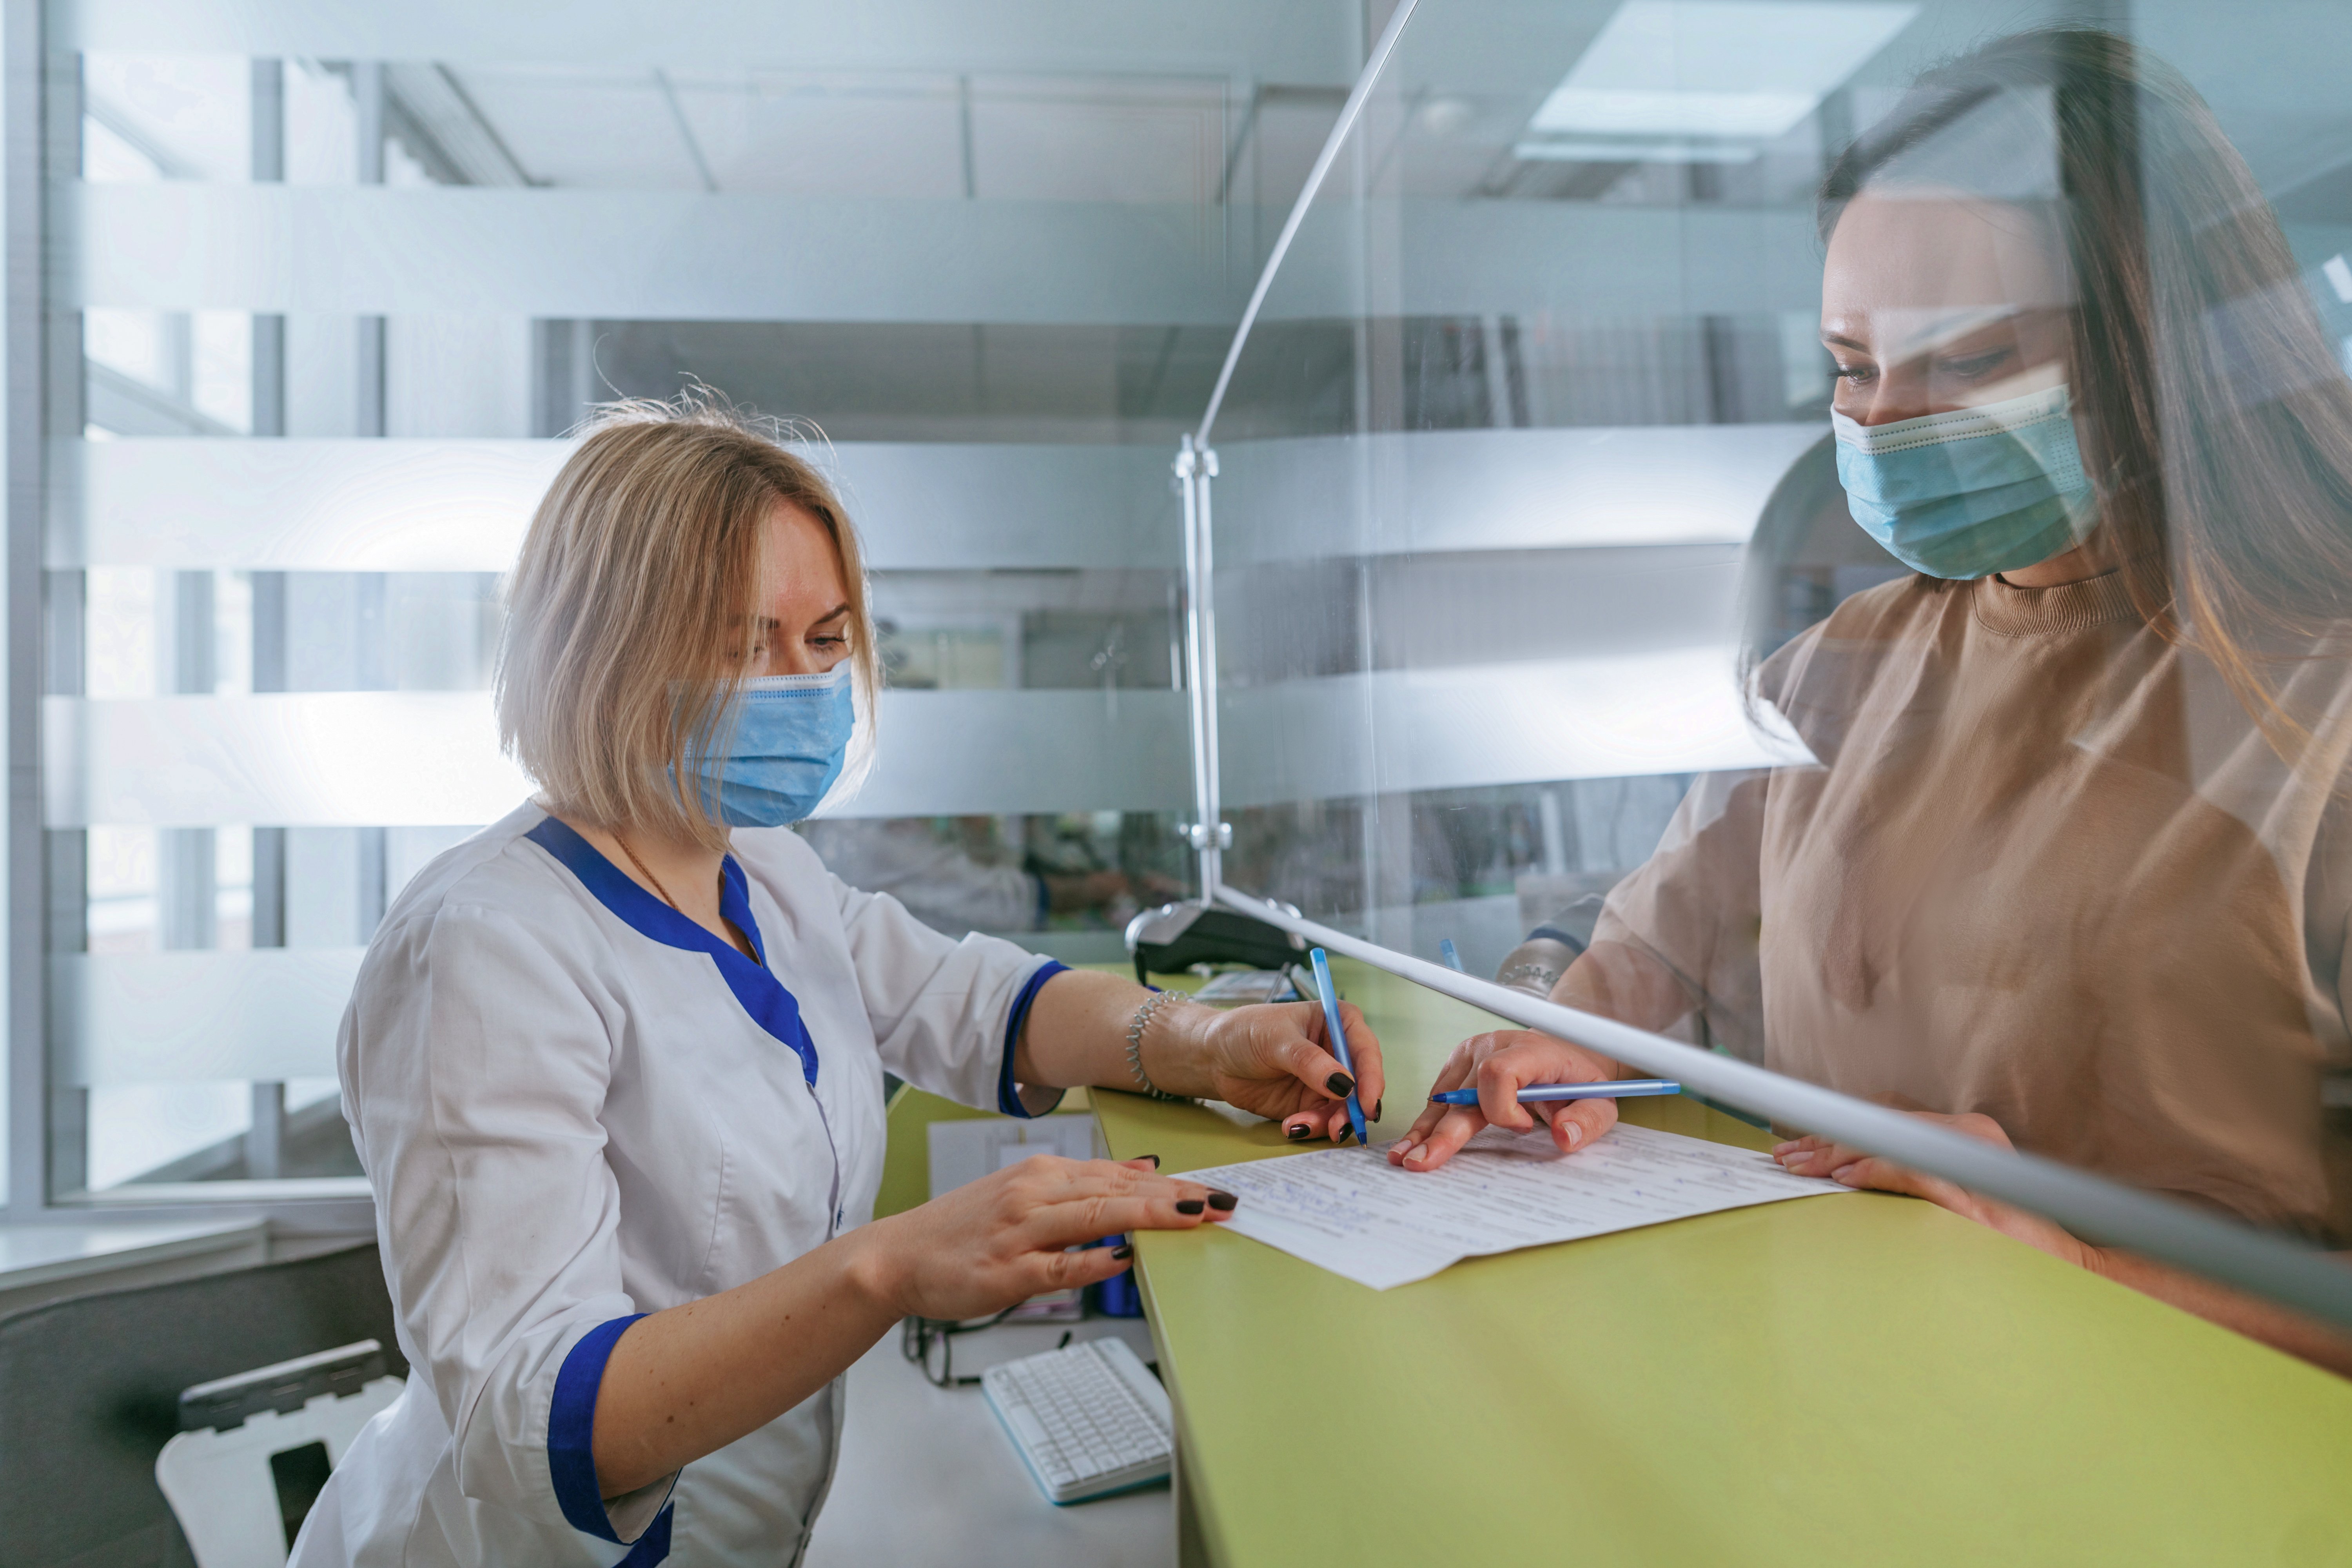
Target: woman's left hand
1274	1059
1811	1156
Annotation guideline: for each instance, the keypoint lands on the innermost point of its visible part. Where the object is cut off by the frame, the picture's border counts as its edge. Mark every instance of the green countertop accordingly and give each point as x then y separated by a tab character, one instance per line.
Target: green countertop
1857	1380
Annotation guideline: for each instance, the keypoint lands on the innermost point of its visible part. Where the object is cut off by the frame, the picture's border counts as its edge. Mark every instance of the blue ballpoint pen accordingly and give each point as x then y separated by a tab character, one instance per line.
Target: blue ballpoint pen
1452	956
1338	1034
1534	1093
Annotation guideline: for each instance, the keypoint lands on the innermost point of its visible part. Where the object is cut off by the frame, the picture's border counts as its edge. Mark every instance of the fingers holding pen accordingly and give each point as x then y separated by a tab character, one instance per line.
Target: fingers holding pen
1326	1118
1578	1124
1370	1076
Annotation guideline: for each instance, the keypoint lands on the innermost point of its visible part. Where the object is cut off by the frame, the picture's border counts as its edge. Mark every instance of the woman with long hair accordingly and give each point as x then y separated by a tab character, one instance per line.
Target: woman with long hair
2072	867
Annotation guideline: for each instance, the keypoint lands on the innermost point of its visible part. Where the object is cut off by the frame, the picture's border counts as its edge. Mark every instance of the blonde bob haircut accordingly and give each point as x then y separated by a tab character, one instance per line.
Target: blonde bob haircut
632	613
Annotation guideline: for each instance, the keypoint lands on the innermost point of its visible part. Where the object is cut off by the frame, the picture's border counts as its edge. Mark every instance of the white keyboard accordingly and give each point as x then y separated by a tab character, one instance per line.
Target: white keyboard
1088	1420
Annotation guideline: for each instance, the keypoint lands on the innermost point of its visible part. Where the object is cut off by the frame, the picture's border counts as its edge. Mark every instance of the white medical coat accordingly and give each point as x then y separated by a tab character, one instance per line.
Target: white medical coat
576	1105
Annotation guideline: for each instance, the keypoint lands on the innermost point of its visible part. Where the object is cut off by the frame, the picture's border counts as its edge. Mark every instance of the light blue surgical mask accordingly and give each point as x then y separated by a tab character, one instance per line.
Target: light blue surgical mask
787	738
1971	492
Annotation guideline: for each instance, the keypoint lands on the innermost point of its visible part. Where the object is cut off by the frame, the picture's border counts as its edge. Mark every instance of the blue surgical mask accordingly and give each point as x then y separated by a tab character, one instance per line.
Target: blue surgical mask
1971	492
787	737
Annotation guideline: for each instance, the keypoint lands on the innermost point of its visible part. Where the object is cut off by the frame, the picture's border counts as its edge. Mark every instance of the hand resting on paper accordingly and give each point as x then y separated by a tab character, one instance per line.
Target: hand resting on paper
1500	1065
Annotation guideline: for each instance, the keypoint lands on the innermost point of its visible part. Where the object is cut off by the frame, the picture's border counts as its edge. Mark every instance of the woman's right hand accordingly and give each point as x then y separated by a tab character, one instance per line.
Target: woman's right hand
994	1243
1499	1065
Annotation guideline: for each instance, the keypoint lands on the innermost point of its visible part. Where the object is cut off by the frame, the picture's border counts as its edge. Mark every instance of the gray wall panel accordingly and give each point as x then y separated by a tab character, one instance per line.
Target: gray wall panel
431	758
1320	497
268	1014
637	254
462	506
1394	731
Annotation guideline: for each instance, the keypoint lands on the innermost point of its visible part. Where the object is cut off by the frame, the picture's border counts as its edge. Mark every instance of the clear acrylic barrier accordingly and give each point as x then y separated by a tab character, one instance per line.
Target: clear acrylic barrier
1542	600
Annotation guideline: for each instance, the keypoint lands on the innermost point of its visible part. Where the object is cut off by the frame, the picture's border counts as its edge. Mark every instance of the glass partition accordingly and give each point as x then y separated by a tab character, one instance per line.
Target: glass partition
1841	510
1490	466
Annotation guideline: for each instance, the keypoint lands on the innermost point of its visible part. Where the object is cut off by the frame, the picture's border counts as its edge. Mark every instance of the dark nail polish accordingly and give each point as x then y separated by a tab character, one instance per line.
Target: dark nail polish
1296	1133
1340	1136
1153	1158
1123	1253
1376	1108
1223	1202
1340	1084
1190	1206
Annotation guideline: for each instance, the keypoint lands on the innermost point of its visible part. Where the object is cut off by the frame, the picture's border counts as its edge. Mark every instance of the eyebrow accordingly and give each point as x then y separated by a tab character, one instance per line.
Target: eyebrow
1844	342
769	623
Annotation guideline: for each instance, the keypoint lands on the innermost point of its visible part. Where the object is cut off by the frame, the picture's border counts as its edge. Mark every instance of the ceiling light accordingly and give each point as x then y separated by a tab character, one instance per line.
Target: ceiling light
1602	150
1751	69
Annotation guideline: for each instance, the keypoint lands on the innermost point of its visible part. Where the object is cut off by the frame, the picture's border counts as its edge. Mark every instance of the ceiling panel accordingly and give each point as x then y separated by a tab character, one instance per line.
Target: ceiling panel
1112	141
832	135
1318	41
611	130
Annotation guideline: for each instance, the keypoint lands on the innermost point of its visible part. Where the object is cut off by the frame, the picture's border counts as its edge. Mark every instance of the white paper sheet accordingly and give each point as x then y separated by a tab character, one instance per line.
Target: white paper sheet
965	1151
1349	1210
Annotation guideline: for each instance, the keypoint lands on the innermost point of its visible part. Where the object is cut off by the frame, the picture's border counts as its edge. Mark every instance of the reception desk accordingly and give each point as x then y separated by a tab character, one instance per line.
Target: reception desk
1862	1379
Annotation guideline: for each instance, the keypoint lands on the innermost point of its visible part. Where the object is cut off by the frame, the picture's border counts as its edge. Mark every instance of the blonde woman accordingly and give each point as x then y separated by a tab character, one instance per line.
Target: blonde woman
614	1065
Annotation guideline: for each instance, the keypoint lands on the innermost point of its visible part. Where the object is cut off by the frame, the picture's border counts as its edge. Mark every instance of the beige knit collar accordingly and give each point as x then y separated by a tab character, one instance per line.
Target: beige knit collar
2068	607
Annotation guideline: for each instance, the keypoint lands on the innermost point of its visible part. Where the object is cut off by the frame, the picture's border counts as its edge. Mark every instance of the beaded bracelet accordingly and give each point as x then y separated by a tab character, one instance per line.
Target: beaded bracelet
1135	1045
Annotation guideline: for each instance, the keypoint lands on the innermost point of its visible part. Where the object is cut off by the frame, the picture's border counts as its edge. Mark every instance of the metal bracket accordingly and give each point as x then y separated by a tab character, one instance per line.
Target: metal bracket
1191	460
1197	835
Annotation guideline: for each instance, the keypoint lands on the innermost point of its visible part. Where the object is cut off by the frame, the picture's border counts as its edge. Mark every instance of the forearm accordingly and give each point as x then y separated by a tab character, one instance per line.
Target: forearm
690	1379
2273	1325
1617	981
1076	1034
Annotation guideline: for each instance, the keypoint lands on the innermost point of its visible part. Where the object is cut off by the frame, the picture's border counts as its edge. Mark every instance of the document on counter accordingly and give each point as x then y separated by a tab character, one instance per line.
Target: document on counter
1351	1211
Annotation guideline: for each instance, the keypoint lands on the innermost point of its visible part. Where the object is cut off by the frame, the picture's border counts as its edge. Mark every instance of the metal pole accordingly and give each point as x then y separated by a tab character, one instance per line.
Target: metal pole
1207	833
2098	1210
367	109
1220	831
22	428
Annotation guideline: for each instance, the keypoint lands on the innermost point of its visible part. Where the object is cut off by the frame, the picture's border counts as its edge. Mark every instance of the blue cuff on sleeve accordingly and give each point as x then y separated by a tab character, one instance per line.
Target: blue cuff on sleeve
1008	1100
571	1431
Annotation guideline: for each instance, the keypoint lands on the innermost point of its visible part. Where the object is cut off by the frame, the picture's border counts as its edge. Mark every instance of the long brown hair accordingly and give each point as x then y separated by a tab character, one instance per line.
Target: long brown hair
631	609
2217	425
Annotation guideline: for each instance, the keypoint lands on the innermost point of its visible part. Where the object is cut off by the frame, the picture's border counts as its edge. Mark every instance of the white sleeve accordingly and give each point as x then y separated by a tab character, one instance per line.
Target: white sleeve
475	1063
945	1013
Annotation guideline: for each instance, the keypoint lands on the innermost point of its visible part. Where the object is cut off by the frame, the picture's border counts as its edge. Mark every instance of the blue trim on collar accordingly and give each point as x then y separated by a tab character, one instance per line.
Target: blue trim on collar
1008	1098
760	993
572	1431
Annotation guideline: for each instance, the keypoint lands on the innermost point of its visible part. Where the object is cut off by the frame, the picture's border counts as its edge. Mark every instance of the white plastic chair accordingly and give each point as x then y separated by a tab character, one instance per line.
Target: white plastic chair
220	1477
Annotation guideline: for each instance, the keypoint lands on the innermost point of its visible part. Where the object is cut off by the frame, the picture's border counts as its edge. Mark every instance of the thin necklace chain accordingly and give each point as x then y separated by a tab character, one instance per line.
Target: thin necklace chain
647	873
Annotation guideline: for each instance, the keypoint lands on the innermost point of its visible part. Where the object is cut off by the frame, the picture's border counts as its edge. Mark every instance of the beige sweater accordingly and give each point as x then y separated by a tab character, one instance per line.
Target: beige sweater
2046	869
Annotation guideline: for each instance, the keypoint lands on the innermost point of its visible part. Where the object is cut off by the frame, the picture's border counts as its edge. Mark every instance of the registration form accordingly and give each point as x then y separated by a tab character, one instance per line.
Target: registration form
1351	1211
